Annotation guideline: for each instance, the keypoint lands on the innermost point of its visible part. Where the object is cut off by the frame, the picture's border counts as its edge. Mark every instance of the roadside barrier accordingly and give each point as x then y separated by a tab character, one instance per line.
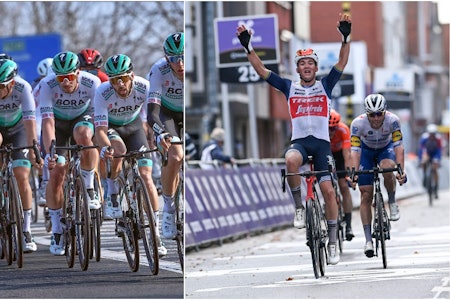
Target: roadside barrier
230	202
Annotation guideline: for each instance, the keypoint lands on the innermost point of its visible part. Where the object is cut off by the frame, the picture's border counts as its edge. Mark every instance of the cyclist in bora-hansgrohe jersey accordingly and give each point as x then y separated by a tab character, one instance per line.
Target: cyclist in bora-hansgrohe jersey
66	106
376	134
309	102
165	113
119	129
18	127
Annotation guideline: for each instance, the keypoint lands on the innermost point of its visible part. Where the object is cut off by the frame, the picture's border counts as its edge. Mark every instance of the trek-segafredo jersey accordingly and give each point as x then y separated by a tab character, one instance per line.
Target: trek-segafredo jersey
55	103
109	108
309	107
362	132
18	105
165	88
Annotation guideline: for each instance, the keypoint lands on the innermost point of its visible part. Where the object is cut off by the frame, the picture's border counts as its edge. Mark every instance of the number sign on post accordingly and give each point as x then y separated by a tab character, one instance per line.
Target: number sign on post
231	58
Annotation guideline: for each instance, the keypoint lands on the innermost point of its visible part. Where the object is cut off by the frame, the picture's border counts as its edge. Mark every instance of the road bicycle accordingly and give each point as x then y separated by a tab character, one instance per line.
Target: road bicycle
340	234
34	184
381	223
138	219
11	211
429	181
76	214
316	224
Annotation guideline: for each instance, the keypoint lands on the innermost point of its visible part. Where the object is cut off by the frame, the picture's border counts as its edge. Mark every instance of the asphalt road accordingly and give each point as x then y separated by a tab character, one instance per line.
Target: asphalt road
277	265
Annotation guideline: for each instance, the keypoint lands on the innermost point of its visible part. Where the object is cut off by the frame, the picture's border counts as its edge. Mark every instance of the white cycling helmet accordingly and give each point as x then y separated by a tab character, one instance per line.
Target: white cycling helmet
375	103
44	67
432	128
306	53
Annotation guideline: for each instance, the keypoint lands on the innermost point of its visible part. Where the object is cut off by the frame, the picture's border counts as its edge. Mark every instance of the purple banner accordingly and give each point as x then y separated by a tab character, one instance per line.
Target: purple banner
226	202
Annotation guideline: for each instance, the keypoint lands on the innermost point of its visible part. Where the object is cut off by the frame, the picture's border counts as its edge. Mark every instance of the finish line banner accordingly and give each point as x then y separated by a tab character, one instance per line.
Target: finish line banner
223	203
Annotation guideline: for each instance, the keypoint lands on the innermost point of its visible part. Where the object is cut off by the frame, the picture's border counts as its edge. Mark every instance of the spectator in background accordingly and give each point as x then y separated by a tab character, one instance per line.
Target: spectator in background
213	150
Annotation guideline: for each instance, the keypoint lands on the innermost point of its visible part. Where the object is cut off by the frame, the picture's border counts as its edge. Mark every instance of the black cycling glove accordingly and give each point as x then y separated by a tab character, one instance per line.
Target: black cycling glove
244	38
344	29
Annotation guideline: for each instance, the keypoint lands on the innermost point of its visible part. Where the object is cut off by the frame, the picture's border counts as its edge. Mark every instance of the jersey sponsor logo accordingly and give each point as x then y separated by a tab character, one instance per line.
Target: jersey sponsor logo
308	106
87	82
396	136
355	141
125	109
9	106
71	102
178	91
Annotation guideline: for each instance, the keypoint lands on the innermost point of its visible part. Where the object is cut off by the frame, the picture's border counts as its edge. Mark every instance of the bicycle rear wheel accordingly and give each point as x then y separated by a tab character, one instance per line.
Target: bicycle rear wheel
127	228
96	222
7	244
381	226
179	210
16	222
146	225
82	223
340	225
312	223
429	183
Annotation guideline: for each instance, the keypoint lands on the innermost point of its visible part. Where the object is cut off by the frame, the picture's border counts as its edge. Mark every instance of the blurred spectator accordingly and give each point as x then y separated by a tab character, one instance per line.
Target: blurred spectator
191	149
213	150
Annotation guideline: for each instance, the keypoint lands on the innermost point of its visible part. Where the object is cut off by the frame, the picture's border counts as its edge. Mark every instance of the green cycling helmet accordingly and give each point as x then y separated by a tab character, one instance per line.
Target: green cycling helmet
174	44
8	69
118	64
65	63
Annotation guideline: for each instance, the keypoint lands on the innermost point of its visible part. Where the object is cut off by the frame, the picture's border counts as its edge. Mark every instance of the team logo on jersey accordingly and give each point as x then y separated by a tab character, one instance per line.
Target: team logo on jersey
355	141
396	136
308	106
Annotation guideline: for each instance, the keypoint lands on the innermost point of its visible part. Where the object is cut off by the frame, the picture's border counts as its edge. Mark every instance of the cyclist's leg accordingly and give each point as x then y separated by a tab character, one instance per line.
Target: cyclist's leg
83	133
294	159
387	160
112	203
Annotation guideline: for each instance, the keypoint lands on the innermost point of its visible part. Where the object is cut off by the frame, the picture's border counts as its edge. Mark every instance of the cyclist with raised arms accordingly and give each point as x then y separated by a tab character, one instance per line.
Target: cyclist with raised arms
119	129
309	106
430	148
165	113
91	60
18	127
65	100
340	148
376	134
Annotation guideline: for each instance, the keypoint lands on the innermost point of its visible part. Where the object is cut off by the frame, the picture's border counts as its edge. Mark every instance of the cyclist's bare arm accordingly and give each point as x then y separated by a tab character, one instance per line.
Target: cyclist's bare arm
400	159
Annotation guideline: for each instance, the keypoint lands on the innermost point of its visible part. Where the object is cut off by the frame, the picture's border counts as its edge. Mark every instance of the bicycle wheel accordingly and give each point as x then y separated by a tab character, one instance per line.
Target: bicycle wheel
96	222
127	227
82	223
146	225
322	234
179	210
311	234
7	245
340	225
381	230
16	221
68	221
429	183
35	194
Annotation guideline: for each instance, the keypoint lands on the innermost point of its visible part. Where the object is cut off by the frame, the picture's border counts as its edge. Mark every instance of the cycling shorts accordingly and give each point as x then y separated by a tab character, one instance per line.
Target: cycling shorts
17	136
367	160
64	130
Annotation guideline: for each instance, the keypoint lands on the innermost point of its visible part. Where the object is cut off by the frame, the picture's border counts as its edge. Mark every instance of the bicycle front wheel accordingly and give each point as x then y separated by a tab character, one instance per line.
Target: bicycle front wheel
126	227
381	226
82	223
179	205
312	224
7	244
146	225
16	221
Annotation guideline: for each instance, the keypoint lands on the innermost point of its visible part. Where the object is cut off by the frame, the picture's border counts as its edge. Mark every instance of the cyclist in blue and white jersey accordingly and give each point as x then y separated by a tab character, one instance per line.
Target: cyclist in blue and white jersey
165	113
376	134
309	107
430	148
18	127
65	99
118	127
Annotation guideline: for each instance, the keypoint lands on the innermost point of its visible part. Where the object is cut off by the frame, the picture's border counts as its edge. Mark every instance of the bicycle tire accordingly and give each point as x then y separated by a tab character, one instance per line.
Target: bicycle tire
340	226
16	222
7	244
179	221
69	230
429	183
128	228
146	225
95	225
311	232
35	195
381	230
82	223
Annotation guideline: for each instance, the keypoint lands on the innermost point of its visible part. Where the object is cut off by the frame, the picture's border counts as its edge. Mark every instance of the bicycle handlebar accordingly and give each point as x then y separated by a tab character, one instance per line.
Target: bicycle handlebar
375	170
8	148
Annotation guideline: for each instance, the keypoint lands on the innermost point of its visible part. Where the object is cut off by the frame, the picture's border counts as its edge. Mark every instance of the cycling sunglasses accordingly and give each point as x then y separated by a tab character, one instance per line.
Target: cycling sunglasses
124	78
70	77
176	58
376	114
5	84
